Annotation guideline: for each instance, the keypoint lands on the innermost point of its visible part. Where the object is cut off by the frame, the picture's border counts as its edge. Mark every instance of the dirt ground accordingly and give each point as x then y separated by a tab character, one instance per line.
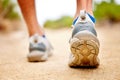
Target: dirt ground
14	65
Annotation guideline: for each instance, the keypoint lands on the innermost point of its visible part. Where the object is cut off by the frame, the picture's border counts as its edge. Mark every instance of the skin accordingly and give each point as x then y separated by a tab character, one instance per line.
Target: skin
28	10
83	5
29	14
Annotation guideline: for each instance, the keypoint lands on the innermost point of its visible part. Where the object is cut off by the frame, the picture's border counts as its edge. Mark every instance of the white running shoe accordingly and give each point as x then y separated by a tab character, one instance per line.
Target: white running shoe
84	44
40	49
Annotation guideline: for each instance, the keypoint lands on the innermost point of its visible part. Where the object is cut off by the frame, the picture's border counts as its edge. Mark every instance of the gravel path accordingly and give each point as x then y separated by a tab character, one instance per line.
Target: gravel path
14	65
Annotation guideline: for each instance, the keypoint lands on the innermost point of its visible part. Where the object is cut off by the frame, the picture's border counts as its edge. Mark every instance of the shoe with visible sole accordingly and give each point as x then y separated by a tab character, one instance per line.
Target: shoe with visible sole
84	44
40	49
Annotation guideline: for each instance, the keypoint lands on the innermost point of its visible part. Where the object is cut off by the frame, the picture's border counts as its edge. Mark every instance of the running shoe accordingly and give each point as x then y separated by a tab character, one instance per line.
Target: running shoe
39	49
84	44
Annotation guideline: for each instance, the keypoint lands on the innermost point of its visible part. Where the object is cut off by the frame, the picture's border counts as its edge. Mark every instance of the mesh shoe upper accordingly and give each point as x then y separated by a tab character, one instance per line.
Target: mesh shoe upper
84	22
39	43
84	26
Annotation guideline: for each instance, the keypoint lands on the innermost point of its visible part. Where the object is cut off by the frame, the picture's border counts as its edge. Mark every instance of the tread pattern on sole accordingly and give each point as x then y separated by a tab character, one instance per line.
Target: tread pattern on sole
84	52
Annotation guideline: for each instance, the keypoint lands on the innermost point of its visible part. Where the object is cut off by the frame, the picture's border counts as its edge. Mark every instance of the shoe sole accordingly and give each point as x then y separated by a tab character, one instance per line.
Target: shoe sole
37	56
85	49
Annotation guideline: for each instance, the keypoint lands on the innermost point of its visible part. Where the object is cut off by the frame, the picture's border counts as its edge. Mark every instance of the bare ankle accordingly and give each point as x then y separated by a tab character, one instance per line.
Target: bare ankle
90	12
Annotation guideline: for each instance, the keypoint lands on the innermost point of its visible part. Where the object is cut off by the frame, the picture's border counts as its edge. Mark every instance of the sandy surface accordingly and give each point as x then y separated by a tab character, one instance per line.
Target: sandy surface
14	65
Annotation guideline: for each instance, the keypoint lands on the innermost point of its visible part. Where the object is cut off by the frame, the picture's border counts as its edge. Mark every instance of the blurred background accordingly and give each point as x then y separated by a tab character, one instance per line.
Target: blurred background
57	15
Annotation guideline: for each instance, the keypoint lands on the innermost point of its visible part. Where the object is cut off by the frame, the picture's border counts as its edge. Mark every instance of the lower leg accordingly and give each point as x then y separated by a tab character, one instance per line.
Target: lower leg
83	5
80	5
29	14
89	7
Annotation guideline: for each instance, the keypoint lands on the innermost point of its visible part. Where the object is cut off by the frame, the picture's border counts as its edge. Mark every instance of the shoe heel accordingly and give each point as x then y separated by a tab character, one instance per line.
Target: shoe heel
37	56
85	51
